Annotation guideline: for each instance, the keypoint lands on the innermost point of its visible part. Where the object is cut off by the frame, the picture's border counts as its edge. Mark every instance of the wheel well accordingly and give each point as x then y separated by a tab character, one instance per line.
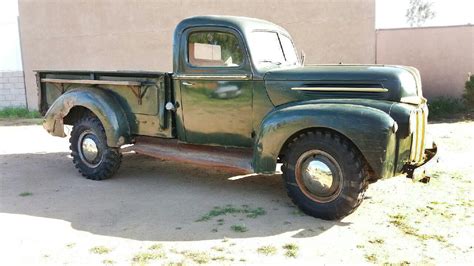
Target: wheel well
75	114
372	176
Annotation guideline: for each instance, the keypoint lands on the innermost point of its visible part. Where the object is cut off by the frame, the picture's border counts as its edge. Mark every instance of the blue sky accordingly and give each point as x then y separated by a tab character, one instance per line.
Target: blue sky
389	14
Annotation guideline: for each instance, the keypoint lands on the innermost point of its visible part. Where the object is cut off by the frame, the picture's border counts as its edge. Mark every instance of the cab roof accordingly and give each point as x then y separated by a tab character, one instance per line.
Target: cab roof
243	24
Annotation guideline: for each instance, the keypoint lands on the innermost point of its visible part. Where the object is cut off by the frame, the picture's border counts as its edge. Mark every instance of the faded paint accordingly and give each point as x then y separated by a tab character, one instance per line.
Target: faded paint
99	102
137	35
368	124
443	55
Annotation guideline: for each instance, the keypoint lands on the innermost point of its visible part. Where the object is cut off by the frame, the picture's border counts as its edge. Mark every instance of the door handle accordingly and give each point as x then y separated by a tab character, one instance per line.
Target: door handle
185	83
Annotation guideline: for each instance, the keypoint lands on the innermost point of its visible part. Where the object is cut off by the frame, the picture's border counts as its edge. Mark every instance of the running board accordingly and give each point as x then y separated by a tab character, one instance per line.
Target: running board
233	159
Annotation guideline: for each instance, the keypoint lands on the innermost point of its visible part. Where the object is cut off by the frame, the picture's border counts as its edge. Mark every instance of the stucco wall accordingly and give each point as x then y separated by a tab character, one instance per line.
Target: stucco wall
444	55
137	35
12	89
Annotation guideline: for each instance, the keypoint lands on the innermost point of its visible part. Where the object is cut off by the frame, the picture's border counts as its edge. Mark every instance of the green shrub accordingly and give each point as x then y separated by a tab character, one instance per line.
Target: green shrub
443	107
18	112
469	92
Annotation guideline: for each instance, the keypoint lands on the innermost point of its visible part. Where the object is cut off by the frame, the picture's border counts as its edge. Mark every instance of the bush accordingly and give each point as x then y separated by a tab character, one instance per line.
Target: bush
469	92
18	112
445	106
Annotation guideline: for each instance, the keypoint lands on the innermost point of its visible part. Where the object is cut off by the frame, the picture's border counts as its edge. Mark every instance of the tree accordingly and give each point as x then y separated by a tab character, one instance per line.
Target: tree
418	12
469	91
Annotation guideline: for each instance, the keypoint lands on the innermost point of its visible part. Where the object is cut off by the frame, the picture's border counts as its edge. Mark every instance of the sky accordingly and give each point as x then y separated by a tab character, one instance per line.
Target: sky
389	14
10	55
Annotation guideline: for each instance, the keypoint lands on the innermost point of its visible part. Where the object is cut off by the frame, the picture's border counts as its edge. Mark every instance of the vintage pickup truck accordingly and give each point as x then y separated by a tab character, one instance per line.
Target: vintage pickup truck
240	98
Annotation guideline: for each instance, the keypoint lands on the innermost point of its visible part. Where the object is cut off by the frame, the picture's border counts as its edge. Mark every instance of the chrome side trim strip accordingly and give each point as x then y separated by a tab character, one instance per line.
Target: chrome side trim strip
212	77
343	89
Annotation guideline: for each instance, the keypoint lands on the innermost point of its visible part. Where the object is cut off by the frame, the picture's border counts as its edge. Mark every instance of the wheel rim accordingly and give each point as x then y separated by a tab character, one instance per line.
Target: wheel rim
88	147
319	176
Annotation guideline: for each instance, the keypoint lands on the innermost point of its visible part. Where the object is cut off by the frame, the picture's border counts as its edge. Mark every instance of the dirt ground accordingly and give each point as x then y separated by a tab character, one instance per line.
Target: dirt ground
159	212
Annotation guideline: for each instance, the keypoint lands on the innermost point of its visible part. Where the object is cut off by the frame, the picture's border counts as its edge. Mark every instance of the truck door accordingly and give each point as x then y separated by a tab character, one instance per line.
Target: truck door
216	88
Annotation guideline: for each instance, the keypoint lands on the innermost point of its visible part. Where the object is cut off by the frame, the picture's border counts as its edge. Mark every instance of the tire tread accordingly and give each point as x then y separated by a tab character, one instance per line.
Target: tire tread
112	157
353	161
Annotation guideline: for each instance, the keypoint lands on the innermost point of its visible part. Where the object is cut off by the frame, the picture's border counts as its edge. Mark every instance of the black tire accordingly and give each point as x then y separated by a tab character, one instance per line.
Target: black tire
324	154
106	161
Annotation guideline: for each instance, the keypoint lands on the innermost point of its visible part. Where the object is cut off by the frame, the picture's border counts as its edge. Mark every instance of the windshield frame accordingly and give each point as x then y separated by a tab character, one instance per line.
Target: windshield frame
265	65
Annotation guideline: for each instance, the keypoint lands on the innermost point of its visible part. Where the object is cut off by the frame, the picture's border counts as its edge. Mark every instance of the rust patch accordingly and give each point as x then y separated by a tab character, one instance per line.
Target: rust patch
231	159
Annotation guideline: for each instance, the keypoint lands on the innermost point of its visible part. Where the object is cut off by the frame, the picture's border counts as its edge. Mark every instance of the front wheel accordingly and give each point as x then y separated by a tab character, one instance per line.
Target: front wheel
89	150
324	175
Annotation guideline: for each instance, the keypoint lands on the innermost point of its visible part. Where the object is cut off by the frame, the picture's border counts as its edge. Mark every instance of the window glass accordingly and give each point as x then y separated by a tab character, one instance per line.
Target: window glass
289	49
214	49
265	48
271	48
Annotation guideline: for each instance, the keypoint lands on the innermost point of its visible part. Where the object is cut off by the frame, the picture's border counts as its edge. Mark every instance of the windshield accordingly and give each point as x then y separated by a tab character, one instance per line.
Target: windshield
271	48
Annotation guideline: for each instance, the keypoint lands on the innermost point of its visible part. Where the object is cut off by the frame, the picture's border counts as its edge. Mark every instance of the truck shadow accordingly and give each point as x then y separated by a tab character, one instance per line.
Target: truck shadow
151	200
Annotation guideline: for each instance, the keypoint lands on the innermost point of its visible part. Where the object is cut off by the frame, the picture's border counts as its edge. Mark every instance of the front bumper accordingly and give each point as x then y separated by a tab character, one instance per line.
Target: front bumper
420	172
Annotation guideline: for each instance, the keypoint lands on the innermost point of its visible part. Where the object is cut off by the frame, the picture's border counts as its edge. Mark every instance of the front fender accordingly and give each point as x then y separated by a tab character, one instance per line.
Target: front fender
100	102
371	130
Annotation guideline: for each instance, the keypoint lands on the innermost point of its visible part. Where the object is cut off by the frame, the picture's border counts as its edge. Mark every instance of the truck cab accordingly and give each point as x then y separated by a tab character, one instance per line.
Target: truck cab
219	68
240	98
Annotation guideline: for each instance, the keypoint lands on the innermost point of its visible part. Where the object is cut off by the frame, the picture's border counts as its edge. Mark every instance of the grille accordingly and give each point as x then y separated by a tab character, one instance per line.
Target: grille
418	137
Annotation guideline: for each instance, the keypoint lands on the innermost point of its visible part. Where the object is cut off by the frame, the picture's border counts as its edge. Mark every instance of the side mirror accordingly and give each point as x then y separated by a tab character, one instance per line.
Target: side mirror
302	57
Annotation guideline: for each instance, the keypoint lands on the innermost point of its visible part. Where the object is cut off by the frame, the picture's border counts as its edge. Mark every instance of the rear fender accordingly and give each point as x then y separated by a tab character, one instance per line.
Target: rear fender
100	102
372	131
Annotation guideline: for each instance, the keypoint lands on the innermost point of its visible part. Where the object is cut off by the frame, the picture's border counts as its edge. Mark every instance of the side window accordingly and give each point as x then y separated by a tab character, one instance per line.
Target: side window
214	49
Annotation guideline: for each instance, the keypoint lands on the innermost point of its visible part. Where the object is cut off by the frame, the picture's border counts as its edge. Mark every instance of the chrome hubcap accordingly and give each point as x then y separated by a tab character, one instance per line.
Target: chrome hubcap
89	149
319	175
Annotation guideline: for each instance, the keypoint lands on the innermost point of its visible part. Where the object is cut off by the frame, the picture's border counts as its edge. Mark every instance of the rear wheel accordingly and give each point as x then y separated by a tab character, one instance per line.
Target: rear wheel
324	175
89	150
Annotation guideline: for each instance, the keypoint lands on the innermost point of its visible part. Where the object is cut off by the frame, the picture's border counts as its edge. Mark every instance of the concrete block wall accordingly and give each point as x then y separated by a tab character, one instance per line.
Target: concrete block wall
12	89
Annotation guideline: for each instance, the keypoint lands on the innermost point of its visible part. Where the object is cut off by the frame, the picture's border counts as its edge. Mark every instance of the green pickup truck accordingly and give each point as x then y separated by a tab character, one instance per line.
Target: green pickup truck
240	98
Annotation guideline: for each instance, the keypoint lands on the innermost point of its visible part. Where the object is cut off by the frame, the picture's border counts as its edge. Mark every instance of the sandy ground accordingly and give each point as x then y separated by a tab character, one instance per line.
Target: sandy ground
49	214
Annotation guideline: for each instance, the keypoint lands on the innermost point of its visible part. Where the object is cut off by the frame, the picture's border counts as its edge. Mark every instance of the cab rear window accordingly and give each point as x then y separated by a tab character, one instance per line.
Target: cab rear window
214	49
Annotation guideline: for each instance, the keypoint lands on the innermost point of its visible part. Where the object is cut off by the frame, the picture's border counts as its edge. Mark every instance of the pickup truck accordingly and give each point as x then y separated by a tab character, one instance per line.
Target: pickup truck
241	98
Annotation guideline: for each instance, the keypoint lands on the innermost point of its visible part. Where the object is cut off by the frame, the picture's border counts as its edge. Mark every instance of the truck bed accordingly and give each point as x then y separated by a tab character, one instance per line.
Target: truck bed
142	95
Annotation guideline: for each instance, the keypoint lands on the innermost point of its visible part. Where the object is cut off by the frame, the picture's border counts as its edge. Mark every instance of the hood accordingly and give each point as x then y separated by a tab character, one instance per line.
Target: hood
392	83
